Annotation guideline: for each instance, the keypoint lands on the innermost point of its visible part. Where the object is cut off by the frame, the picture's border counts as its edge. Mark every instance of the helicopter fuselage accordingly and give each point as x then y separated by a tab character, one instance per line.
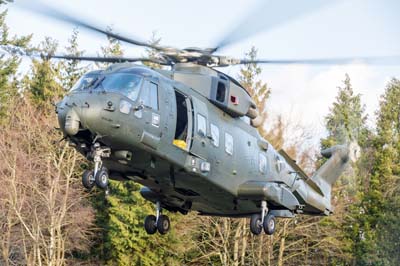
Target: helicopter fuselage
187	152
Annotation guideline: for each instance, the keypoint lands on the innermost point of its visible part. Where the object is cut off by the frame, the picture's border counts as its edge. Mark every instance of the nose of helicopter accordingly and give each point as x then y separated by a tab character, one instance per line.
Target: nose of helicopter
88	111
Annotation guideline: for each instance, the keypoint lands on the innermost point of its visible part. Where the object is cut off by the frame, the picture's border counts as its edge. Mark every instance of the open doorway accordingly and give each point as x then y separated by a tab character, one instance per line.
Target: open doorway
182	136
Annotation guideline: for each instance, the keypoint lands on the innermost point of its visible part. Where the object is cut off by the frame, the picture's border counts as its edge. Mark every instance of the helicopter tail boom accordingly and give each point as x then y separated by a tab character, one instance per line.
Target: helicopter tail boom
329	172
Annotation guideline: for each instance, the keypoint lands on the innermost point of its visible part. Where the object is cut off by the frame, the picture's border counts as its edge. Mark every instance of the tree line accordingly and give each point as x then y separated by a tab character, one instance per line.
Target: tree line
46	217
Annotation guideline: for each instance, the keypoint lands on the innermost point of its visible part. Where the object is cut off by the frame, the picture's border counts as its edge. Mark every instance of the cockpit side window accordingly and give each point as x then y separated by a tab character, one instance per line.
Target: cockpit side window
149	95
85	82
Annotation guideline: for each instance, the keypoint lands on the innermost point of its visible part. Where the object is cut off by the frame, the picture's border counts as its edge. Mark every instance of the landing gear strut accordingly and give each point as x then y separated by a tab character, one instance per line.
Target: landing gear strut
265	221
159	222
99	176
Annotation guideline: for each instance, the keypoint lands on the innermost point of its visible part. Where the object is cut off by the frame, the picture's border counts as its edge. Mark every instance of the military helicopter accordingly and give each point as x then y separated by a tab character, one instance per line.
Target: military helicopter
188	135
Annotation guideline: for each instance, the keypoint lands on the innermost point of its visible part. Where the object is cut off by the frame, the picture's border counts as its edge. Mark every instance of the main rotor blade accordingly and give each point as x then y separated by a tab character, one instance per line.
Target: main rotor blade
376	60
266	16
13	50
48	11
107	59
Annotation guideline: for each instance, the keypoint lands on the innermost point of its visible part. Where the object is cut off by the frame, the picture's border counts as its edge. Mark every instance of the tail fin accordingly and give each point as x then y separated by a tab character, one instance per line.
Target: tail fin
329	172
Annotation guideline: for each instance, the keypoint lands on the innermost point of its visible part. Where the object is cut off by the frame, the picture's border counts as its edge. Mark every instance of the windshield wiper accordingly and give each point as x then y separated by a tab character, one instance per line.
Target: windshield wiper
99	82
89	84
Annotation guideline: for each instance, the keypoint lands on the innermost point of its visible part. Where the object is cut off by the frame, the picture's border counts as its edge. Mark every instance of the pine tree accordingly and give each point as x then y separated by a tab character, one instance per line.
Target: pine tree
388	151
346	121
113	48
151	53
345	124
378	238
249	78
44	81
8	66
71	70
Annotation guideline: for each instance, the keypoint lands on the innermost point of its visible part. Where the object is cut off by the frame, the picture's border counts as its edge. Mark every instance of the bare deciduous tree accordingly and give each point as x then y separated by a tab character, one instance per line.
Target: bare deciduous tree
45	215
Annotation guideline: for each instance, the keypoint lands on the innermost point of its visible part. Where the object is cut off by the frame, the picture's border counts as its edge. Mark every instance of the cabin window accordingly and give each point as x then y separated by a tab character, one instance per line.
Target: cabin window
221	92
228	143
149	96
201	125
214	135
262	163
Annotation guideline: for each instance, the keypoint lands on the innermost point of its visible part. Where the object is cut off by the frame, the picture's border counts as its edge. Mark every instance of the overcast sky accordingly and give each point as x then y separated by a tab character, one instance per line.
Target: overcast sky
340	29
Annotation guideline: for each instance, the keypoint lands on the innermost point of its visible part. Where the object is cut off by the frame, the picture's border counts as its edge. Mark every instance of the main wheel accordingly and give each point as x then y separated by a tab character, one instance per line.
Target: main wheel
150	224
88	180
255	224
269	224
102	178
163	224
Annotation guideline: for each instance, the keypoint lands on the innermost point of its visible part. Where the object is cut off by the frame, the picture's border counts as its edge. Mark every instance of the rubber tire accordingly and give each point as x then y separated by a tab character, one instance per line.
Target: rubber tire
101	178
269	224
163	224
255	226
150	224
88	180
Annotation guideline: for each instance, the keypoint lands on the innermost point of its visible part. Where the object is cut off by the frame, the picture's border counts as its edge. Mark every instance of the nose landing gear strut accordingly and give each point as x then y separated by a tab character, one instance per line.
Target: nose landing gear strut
98	176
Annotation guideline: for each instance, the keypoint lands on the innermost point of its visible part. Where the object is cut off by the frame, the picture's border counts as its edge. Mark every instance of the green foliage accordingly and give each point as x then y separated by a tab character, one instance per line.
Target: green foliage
249	78
125	241
345	124
8	66
382	201
376	219
113	48
151	53
44	81
71	70
346	121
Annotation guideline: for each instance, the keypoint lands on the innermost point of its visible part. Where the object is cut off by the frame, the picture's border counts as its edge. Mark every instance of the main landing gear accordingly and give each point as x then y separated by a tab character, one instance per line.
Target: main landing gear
265	221
158	223
98	176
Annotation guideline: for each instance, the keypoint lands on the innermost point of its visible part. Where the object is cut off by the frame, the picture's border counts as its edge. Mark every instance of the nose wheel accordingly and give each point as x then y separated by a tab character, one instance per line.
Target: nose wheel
156	223
88	180
265	221
99	175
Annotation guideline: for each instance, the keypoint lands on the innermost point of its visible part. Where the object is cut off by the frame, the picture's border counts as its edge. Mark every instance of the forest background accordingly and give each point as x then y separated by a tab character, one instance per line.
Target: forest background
46	217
